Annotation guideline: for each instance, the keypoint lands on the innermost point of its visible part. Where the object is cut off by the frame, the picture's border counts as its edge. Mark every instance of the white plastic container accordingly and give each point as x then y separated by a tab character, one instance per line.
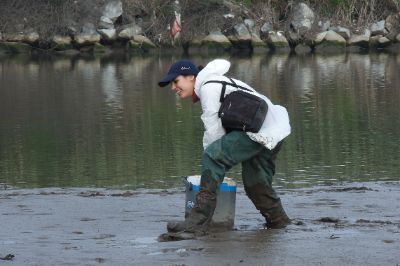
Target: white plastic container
224	214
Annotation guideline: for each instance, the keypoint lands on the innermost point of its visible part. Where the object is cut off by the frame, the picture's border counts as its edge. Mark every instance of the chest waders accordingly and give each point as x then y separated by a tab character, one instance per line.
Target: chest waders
258	168
200	216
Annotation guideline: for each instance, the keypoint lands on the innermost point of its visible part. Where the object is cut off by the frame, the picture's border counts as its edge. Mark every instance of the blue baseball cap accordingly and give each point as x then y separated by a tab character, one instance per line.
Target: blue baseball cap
181	67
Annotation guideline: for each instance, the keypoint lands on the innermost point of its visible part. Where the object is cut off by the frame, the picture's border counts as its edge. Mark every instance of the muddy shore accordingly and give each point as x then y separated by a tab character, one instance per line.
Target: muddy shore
346	224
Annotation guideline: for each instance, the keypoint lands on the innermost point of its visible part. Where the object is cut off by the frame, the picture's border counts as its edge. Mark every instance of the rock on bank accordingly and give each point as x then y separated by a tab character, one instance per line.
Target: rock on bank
237	29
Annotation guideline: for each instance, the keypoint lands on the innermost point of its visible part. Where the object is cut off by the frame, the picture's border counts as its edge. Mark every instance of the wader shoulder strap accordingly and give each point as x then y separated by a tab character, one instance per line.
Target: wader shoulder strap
224	83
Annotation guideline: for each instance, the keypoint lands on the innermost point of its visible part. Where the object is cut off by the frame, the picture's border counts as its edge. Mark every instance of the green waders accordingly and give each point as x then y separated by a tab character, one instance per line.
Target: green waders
258	167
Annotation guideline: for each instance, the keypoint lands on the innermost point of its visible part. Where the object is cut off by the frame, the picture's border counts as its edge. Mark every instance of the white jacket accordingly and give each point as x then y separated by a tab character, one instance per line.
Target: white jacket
275	127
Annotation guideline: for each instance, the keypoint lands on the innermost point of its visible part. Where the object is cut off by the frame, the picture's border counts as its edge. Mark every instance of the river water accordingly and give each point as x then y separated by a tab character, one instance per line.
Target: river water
104	122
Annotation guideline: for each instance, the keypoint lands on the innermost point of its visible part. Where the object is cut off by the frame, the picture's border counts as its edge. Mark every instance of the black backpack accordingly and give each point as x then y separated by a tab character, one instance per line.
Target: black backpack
240	110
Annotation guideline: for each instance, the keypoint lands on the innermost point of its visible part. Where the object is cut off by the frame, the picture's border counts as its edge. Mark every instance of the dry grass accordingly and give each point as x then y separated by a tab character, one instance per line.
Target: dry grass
359	12
49	17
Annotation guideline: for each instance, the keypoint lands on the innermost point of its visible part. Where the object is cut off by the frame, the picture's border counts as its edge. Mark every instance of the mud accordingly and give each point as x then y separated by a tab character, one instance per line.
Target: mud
347	224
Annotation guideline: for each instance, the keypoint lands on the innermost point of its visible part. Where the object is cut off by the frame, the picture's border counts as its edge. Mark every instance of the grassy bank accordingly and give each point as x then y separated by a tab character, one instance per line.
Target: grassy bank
198	17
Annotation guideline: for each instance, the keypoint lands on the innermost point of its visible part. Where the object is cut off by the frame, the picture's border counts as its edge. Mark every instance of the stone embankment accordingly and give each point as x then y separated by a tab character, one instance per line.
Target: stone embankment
304	34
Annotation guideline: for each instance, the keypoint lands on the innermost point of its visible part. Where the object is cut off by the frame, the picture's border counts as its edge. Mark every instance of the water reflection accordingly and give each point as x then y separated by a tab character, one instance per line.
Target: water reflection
104	121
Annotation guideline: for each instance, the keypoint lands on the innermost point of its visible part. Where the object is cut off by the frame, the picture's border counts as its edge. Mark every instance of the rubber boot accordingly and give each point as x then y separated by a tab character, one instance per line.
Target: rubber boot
200	216
269	204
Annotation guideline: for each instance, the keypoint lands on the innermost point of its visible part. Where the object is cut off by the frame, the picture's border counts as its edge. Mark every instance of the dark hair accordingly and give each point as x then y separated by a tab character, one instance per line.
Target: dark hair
200	67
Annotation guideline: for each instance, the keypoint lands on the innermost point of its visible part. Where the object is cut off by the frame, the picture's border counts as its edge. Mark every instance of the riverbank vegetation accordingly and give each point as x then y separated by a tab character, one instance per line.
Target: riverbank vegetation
53	17
197	18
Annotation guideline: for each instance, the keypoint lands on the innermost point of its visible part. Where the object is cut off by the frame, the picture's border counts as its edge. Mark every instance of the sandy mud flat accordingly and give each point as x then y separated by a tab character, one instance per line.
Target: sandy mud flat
346	224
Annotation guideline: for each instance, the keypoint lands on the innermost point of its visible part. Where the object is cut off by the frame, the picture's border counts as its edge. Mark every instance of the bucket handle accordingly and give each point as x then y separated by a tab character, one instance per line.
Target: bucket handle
187	184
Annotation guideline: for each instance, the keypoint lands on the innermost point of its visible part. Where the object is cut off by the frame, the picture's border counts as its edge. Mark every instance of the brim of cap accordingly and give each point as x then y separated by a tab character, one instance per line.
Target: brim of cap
167	79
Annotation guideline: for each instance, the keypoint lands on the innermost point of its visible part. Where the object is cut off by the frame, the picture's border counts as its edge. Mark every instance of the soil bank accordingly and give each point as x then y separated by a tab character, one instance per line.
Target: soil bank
346	224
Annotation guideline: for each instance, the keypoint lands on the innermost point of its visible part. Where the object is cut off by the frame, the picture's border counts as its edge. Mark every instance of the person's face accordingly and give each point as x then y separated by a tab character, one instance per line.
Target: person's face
183	86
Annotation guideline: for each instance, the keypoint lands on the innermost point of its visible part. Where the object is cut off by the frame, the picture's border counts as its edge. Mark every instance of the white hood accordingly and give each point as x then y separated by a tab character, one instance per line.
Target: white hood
217	67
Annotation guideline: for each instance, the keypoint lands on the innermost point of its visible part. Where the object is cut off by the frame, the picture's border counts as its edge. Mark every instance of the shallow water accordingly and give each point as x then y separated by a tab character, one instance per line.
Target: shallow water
103	121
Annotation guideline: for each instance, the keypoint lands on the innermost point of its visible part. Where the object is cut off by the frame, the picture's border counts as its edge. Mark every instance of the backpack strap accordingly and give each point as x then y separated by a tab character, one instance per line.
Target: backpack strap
224	83
222	96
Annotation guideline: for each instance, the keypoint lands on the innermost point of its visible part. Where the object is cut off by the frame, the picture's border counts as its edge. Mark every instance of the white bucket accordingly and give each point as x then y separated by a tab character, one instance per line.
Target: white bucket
224	214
